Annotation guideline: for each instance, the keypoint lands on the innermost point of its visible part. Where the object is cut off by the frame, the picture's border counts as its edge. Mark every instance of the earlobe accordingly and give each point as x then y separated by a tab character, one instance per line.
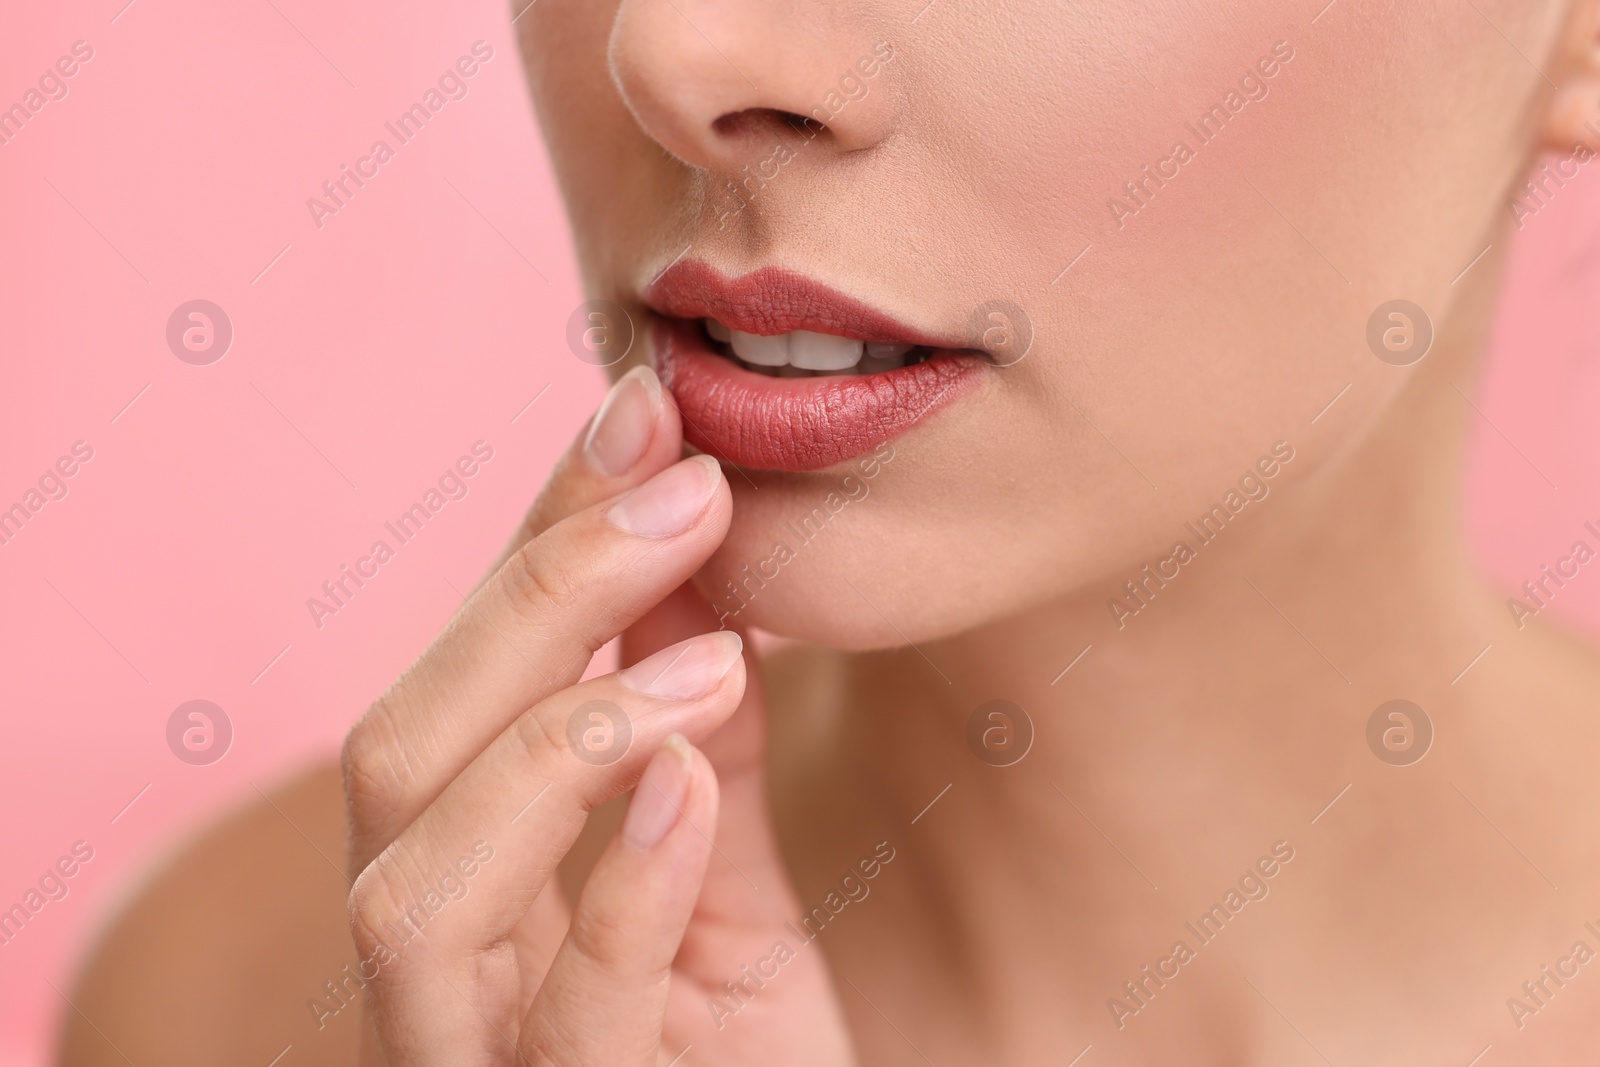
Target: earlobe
1572	117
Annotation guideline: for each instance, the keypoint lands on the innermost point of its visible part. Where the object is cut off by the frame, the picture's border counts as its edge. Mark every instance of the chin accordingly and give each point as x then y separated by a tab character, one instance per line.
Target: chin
808	601
862	582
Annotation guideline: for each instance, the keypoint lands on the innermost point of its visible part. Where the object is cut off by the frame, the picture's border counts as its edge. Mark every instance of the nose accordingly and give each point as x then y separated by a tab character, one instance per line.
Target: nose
712	81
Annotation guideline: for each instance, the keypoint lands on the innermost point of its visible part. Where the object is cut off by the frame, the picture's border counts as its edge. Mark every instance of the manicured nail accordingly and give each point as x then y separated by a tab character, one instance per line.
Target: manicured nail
668	503
687	669
658	799
622	427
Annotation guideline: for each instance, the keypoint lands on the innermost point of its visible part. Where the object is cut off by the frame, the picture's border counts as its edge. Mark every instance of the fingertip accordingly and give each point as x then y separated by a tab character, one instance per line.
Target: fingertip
702	796
679	746
721	492
660	796
646	374
713	468
670	420
666	429
621	431
698	762
688	670
634	434
666	436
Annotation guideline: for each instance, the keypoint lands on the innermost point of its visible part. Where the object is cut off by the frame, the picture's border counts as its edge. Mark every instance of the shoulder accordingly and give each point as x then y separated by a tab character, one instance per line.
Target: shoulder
222	953
1552	663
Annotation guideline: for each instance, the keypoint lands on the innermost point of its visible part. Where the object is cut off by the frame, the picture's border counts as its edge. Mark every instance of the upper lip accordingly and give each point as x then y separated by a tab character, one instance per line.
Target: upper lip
772	300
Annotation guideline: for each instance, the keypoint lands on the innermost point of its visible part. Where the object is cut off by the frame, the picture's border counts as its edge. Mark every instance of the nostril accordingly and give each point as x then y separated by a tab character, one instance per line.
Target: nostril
757	121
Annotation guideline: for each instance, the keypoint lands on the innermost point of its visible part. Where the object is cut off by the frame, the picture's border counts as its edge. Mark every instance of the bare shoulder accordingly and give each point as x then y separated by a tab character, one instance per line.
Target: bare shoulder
222	953
237	946
1557	663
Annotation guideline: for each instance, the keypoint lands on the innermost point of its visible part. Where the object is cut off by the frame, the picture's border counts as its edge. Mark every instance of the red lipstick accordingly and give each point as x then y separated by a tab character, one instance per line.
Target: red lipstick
791	424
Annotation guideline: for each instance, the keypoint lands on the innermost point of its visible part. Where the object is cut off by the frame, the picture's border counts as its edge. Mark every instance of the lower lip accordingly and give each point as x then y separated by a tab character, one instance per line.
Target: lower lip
797	424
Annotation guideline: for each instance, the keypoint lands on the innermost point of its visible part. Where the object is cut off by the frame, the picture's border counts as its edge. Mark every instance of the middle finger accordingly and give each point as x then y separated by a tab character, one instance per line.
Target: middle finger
436	998
528	632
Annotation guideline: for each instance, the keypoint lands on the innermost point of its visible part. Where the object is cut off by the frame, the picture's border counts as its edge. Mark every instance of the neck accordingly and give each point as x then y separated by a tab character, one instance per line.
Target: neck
1348	585
1226	716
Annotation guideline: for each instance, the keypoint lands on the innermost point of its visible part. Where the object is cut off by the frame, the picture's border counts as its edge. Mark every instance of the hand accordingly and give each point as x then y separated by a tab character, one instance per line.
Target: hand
466	786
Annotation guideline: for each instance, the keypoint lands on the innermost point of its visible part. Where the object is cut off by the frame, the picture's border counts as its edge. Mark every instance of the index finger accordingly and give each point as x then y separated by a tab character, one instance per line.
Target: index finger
527	632
635	433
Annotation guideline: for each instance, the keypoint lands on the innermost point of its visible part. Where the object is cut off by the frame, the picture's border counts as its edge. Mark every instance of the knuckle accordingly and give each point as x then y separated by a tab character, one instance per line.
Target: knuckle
548	1045
542	734
538	584
556	598
568	602
370	765
374	907
604	940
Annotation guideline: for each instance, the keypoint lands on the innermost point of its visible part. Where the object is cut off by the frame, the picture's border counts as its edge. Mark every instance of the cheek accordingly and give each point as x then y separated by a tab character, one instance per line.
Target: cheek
1195	312
1218	310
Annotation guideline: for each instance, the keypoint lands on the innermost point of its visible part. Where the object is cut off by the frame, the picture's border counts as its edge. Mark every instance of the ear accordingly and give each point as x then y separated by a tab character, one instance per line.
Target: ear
1572	116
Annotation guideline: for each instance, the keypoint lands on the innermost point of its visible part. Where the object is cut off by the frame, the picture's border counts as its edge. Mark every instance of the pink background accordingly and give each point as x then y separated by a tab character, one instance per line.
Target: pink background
368	355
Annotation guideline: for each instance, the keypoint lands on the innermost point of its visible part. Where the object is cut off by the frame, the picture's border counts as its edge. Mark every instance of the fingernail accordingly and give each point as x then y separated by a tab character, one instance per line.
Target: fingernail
669	502
622	427
658	798
687	669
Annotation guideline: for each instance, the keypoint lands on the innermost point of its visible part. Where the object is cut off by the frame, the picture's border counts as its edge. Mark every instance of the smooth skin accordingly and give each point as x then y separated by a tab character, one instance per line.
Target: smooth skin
1229	715
471	748
449	754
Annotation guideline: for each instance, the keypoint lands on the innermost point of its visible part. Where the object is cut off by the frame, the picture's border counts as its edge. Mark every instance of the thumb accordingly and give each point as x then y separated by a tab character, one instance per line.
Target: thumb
746	881
747	902
739	746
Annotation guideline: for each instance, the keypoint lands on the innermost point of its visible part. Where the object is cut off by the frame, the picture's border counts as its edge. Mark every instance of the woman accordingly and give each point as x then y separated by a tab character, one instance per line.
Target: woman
1082	388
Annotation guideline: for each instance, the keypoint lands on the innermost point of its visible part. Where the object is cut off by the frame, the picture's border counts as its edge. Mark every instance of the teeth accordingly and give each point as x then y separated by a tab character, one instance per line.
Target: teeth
879	351
880	358
803	353
820	351
762	351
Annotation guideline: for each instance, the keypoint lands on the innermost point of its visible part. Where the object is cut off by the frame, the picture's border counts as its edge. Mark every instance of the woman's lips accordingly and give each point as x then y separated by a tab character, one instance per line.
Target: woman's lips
797	424
790	424
772	301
